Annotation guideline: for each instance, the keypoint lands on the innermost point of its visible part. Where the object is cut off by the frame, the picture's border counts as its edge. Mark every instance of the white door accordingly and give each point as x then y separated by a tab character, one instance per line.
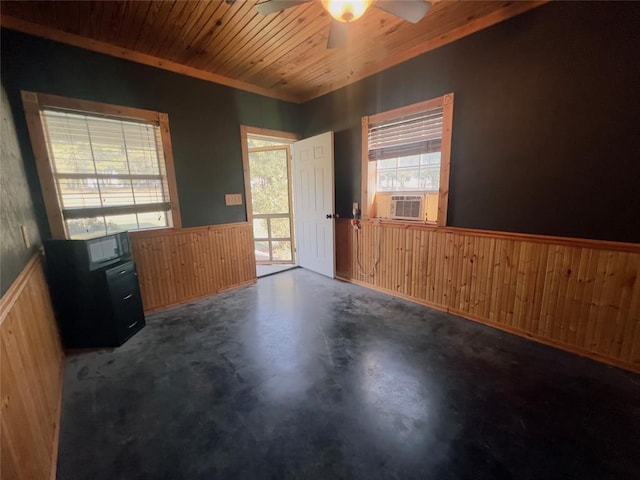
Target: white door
313	203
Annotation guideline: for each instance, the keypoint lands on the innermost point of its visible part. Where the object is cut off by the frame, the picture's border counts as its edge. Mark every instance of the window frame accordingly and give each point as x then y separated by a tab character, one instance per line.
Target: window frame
287	139
369	170
34	103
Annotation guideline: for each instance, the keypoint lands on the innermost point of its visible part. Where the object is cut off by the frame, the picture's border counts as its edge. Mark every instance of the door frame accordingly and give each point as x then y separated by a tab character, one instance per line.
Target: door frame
245	132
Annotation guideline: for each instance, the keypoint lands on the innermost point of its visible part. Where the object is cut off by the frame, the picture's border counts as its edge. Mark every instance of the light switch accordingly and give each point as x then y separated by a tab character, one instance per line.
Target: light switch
233	199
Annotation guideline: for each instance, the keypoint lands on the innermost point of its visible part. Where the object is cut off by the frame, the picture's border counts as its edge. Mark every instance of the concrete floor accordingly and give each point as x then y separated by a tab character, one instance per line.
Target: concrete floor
264	270
303	377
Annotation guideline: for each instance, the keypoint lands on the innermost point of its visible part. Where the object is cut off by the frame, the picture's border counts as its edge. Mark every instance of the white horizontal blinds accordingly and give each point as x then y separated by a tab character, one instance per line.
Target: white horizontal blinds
404	136
106	167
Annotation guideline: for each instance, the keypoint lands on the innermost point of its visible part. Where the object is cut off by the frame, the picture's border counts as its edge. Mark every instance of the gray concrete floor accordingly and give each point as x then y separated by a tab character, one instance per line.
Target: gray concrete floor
303	377
264	270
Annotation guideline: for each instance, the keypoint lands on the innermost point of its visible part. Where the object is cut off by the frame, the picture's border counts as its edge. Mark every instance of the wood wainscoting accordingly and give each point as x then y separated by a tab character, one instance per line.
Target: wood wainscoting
177	265
579	295
31	361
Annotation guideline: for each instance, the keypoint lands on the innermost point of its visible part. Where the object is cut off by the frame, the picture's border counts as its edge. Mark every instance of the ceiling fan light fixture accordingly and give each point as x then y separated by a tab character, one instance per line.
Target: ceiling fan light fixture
346	10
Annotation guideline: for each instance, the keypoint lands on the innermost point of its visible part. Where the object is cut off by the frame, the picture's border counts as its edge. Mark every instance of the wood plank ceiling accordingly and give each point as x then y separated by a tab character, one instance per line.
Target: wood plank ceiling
282	55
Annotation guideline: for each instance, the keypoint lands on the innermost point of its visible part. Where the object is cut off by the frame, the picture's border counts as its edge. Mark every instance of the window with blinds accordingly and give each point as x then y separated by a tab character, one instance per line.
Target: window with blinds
407	151
109	174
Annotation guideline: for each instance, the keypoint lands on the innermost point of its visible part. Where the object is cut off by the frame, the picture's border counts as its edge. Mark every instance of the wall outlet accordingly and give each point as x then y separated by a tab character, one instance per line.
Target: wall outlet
233	199
25	236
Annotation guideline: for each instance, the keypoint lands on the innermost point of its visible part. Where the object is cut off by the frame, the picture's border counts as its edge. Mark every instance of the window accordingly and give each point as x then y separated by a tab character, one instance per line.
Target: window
407	150
267	165
103	168
413	173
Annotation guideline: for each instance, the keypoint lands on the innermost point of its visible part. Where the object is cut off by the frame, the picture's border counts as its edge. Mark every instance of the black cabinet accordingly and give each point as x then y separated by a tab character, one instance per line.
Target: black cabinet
98	308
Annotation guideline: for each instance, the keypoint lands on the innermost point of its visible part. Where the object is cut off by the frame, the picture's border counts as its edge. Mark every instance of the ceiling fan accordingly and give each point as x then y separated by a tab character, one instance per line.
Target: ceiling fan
347	11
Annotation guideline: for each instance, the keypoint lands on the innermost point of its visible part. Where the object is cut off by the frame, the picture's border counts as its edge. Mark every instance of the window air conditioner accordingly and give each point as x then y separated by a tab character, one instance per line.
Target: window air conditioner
407	207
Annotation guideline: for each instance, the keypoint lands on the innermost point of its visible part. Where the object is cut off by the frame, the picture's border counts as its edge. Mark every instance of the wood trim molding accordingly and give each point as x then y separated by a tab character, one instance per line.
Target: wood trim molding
275	134
10	297
245	131
152	233
165	135
368	169
43	165
191	298
12	23
45	100
57	415
445	159
368	174
497	234
563	346
579	295
34	103
407	110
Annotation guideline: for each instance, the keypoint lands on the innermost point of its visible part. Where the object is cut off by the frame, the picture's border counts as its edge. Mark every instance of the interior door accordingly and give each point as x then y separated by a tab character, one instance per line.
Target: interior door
313	203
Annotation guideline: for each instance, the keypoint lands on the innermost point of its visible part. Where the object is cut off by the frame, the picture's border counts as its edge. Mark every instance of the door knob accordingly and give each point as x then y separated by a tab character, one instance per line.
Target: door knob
329	215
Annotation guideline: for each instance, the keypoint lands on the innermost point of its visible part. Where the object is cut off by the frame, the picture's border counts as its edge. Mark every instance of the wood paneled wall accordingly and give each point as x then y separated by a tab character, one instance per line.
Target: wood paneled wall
31	361
176	265
579	295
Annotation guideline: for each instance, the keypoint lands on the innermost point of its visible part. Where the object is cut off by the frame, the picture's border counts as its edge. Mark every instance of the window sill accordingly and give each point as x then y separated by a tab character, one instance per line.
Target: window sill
408	223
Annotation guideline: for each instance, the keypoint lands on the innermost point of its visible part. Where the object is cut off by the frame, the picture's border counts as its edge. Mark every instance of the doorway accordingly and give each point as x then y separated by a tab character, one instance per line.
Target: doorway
289	187
269	198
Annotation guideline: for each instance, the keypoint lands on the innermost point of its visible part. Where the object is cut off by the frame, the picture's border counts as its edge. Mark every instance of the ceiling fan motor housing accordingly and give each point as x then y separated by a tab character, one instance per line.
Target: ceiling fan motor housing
346	10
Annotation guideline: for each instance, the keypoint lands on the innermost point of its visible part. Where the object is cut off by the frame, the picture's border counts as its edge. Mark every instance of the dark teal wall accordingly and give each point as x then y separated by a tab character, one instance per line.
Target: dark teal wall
205	118
545	133
546	129
16	206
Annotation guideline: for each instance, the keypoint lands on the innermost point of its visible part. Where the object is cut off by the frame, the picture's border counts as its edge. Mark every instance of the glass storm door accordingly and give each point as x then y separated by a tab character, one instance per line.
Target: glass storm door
269	168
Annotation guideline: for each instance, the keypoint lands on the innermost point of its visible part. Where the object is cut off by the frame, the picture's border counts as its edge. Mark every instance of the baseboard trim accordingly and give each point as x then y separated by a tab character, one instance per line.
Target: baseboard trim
500	234
196	297
56	433
545	341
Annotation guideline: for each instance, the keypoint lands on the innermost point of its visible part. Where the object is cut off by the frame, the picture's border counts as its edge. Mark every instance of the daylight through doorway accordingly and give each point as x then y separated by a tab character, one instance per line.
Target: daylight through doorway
269	179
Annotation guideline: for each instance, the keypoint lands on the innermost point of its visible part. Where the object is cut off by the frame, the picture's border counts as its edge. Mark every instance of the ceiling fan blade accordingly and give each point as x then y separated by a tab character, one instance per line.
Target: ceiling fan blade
410	10
268	7
337	34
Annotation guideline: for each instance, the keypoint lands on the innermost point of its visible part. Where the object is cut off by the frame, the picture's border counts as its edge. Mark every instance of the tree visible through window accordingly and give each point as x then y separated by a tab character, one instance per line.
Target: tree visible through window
411	173
109	172
270	201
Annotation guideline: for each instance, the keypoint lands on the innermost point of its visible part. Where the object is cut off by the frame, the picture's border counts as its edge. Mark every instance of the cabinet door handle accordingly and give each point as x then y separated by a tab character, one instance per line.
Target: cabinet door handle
122	272
128	296
133	324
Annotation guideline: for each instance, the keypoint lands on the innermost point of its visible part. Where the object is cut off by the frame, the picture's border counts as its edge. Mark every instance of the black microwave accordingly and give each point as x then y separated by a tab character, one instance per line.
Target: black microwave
92	253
